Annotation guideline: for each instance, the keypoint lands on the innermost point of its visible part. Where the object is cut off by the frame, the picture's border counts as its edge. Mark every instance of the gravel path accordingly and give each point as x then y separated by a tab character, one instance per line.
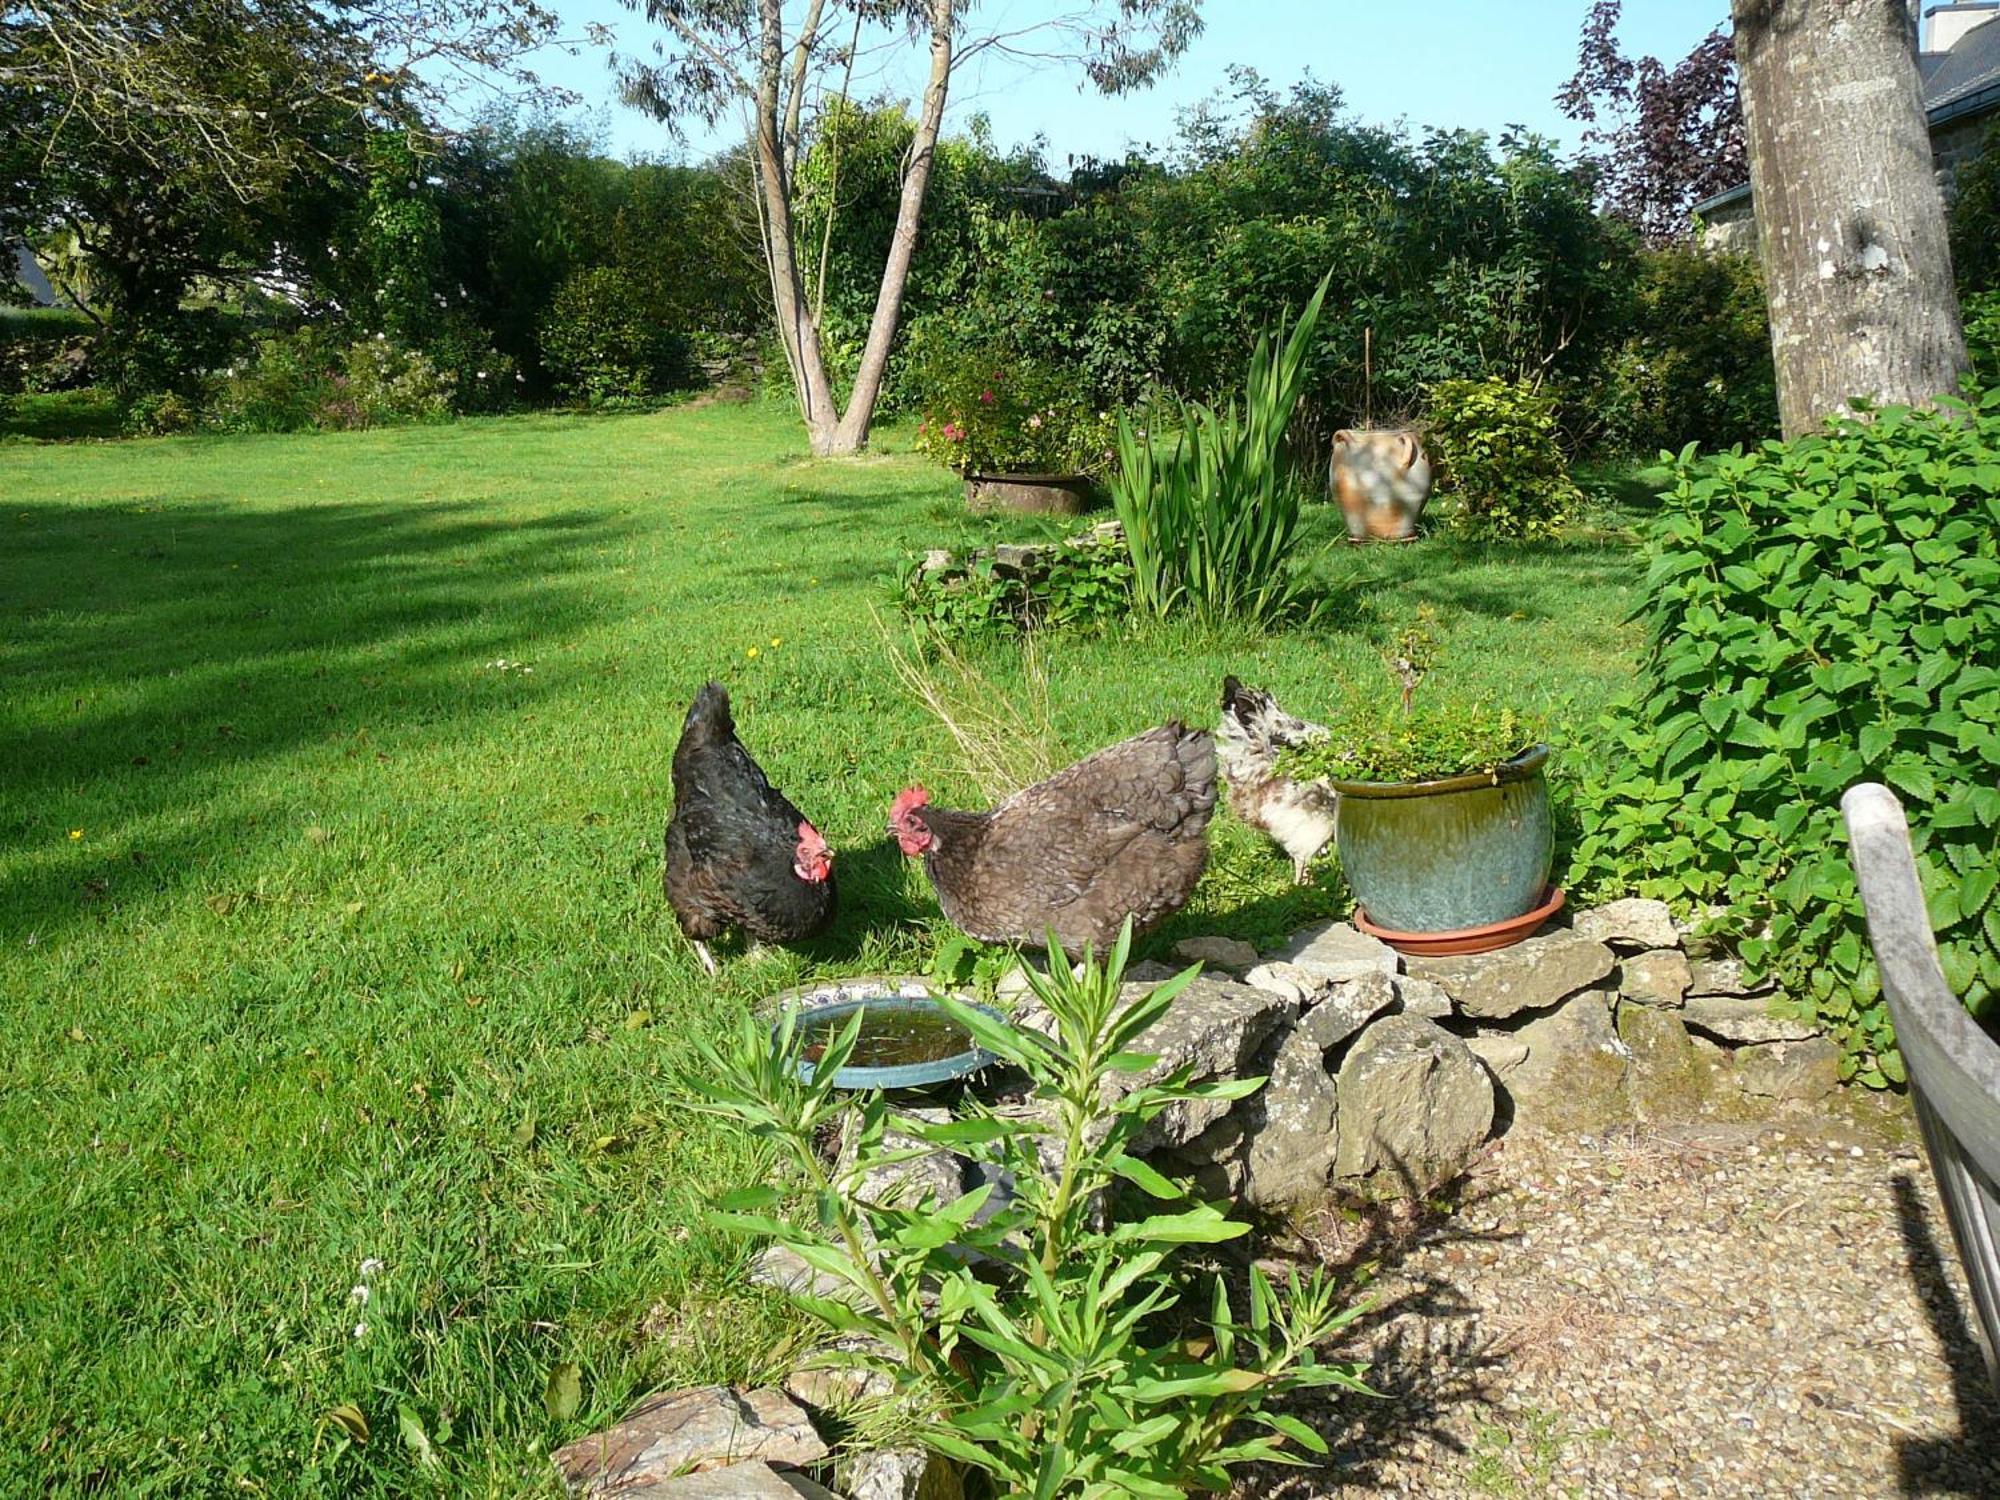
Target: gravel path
1711	1310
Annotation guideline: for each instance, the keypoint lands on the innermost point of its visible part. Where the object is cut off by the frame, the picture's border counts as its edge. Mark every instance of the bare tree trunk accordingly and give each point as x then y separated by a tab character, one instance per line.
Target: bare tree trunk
1850	227
852	435
796	327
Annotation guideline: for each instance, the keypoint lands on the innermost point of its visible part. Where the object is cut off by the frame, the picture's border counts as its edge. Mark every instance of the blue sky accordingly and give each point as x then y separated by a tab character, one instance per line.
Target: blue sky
1481	64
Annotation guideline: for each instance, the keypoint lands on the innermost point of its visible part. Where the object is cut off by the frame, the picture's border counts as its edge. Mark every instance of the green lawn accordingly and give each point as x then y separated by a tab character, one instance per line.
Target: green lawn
327	937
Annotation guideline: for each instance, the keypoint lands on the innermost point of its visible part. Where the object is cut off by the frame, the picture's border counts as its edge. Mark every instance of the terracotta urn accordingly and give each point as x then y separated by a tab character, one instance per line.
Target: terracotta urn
1382	479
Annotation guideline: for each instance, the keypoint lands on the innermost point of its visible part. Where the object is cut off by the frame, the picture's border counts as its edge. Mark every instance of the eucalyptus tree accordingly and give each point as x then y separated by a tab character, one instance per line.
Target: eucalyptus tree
777	61
1850	226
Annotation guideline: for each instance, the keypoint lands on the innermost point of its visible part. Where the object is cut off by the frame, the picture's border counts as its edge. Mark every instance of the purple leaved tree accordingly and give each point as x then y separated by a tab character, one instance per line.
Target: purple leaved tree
1660	139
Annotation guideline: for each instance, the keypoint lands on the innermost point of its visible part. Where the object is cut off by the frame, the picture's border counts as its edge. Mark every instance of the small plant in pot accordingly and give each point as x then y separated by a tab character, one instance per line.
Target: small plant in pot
1444	830
1013	427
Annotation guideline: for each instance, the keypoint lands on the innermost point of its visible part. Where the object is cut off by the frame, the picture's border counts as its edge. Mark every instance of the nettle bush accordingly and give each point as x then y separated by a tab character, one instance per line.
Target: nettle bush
603	345
1494	445
1821	613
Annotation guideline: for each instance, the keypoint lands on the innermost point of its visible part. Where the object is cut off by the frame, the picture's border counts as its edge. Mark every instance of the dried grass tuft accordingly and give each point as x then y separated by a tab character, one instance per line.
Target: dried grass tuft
1005	738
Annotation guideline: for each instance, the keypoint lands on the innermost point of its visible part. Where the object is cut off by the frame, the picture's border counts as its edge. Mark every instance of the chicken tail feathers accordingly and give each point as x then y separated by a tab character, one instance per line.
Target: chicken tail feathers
708	717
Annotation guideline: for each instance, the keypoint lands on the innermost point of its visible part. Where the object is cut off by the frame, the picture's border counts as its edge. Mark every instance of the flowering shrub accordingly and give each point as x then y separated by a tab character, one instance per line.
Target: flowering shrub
986	411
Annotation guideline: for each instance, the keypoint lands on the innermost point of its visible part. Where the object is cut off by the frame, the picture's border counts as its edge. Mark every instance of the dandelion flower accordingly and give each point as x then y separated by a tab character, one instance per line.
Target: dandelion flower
76	833
777	641
358	1296
361	1330
751	653
370	1266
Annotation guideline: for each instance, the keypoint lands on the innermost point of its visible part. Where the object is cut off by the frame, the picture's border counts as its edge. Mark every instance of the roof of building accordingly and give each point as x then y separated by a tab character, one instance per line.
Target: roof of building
1964	81
1968	71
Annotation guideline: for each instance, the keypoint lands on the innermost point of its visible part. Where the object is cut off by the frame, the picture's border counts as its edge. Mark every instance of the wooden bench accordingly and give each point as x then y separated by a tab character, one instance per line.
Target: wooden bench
1954	1065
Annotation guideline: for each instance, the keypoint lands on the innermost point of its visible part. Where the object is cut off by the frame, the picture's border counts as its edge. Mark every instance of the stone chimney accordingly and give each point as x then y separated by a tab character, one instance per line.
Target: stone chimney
1945	24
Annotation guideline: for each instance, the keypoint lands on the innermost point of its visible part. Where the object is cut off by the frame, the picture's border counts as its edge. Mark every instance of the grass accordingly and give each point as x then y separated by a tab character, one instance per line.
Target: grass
334	773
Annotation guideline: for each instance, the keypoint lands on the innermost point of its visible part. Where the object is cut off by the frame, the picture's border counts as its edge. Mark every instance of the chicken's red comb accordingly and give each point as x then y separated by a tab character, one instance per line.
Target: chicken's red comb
909	798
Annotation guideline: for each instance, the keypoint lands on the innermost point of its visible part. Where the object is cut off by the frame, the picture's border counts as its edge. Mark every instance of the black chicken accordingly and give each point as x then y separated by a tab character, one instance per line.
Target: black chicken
738	853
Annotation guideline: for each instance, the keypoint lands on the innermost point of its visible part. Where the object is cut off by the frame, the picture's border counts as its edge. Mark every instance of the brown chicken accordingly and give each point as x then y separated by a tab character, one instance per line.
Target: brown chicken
1123	833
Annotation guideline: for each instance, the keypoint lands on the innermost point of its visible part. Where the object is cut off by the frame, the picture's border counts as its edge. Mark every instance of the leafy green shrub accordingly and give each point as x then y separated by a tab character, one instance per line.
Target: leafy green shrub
1696	367
312	377
986	411
174	350
1059	1354
280	386
482	378
1821	612
1493	443
160	414
1974	219
380	384
1087	585
1981	313
603	347
1210	512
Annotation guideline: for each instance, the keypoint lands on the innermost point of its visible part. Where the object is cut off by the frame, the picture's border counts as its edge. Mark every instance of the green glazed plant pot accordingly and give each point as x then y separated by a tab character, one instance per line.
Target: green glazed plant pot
1459	852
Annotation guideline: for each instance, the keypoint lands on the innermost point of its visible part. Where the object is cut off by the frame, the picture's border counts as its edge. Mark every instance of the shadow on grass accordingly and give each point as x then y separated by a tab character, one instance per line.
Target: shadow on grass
1372	589
154	652
1931	1466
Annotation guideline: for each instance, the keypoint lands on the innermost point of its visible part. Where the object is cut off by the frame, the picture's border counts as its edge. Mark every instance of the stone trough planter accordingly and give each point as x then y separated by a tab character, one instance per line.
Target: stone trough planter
1954	1065
1042	494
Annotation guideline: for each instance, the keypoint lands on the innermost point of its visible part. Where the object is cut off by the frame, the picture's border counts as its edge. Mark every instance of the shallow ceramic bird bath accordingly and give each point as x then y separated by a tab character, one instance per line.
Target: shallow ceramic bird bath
906	1041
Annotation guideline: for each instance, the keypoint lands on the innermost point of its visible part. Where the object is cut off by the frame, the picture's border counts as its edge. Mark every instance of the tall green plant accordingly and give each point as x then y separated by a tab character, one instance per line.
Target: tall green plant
1060	1351
1819	613
1210	511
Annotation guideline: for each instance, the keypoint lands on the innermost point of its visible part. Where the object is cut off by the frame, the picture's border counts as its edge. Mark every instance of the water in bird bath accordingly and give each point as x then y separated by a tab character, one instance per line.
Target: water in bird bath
891	1036
906	1039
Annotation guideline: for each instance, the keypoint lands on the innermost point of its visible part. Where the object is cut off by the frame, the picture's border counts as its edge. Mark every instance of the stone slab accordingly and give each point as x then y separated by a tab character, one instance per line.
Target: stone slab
1531	975
1414	1106
1635	923
1334	951
675	1432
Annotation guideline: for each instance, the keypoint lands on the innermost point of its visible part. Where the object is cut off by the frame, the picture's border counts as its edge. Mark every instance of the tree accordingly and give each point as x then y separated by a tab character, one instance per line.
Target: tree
770	62
178	139
1660	139
1850	226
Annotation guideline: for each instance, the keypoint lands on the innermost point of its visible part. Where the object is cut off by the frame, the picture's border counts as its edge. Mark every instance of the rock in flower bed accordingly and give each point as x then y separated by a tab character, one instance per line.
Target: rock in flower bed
1386	1074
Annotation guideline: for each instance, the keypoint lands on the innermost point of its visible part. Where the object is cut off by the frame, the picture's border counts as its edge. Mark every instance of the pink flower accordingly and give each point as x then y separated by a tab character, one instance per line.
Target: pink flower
985	398
1035	421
